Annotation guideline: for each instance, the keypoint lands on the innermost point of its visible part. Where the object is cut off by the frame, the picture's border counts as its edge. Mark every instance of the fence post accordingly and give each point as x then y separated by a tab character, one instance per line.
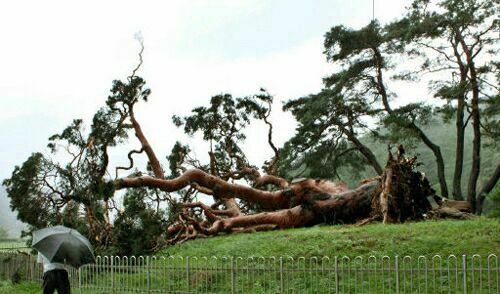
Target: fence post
187	272
396	259
148	279
336	269
282	290
112	275
80	280
464	268
232	275
31	268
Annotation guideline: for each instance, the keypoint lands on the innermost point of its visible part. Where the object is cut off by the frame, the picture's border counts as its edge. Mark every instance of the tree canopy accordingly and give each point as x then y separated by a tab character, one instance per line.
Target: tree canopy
453	41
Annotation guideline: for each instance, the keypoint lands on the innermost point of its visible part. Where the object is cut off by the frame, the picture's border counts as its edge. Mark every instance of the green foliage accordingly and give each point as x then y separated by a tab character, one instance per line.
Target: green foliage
396	125
432	32
177	157
139	228
75	192
491	117
28	195
326	122
494	198
334	123
222	123
342	43
331	121
129	92
214	122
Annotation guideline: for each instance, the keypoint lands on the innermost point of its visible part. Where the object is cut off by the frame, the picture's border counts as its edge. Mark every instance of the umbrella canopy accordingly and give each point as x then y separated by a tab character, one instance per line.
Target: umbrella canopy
63	245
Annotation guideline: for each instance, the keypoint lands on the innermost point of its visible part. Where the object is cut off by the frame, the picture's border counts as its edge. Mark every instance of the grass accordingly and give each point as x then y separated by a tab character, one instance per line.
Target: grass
480	236
24	287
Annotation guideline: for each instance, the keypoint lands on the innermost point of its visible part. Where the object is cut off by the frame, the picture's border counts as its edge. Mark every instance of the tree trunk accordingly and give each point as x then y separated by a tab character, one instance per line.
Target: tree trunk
459	150
400	194
476	142
367	153
439	160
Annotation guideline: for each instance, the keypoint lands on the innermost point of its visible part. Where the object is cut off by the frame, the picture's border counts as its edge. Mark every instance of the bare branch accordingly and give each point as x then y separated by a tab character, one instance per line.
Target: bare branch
131	161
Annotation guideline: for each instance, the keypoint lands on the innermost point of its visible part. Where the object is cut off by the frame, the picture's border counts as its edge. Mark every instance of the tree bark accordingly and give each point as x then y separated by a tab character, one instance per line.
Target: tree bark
384	197
220	188
476	124
460	127
367	153
400	194
476	142
153	160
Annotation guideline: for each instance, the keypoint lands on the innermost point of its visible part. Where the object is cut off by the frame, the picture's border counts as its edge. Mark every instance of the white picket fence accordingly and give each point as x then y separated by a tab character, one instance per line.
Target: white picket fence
174	274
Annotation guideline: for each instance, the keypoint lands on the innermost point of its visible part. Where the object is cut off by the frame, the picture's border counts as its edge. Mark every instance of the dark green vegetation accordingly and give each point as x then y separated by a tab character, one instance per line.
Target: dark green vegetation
478	236
494	198
342	133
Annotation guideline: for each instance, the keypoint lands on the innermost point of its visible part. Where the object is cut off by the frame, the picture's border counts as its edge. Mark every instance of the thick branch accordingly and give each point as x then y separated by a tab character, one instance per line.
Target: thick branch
153	160
349	205
270	179
286	218
271	200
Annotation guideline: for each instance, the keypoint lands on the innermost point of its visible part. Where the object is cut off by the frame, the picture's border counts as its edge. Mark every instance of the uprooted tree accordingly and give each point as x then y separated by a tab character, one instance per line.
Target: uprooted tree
81	192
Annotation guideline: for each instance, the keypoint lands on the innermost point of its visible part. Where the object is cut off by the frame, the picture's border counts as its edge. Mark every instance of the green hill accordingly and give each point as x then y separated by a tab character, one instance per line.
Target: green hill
478	236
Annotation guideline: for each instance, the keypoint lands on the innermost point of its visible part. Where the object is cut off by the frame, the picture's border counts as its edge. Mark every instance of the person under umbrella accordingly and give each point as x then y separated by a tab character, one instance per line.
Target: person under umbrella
55	276
59	246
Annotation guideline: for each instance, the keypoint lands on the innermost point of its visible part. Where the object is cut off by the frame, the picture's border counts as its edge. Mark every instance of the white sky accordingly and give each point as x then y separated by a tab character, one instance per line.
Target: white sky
58	60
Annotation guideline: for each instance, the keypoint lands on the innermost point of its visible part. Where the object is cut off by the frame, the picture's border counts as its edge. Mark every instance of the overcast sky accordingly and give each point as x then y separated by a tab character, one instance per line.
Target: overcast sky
58	60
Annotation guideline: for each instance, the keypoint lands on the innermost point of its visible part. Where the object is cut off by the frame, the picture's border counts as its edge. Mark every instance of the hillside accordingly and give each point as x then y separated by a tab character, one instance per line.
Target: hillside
443	135
478	236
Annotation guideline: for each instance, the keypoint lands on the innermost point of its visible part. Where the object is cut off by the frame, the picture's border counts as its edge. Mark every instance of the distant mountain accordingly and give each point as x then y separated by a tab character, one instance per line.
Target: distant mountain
443	135
8	219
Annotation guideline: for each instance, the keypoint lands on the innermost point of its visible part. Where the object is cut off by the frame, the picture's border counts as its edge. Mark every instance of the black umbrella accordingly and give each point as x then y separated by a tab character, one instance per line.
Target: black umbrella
63	245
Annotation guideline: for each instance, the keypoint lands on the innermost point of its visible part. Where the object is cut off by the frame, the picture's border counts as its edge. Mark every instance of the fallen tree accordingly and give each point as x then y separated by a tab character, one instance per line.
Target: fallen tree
400	194
161	208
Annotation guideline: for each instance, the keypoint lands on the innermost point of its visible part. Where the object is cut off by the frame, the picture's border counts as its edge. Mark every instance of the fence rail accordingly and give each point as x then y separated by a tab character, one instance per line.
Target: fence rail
174	274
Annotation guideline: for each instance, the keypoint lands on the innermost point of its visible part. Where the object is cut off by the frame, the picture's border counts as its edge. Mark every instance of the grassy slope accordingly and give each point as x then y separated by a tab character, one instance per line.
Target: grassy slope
481	236
24	287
